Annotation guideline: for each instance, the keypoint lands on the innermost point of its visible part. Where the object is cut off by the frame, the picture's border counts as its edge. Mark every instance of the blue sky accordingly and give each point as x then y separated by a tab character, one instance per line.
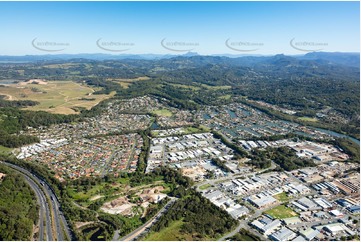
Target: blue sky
139	27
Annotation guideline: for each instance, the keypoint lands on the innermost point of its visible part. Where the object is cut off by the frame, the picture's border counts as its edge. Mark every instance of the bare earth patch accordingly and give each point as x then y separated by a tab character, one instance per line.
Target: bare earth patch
34	81
118	206
81	224
123	206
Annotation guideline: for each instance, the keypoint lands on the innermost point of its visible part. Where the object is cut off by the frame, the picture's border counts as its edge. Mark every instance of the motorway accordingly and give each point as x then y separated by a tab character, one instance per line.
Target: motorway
142	229
44	213
53	215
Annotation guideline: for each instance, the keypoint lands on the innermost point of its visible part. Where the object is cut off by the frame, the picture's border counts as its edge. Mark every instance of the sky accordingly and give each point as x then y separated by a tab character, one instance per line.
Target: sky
177	27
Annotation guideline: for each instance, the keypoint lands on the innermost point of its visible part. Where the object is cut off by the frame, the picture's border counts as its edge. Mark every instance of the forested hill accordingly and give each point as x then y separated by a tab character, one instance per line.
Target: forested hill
349	59
343	58
330	65
311	84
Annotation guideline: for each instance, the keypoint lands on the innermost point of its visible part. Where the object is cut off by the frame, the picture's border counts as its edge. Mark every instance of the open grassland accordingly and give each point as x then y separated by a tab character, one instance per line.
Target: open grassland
282	197
85	195
193	88
163	112
216	87
308	119
101	189
281	212
204	128
56	96
191	130
170	233
5	150
198	86
225	97
205	186
61	66
125	83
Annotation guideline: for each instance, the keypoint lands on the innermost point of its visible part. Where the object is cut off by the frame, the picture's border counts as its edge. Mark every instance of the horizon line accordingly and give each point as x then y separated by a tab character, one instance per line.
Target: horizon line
182	54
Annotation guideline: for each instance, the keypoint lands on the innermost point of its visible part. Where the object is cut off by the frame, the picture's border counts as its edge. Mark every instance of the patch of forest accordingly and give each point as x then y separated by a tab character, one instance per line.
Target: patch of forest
19	211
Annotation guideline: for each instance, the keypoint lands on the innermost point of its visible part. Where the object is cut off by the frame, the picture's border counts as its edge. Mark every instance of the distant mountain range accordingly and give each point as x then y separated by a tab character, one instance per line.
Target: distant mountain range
334	58
348	59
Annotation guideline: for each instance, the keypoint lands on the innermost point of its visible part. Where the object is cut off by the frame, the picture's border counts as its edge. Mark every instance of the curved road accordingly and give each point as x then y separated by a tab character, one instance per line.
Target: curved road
42	193
44	213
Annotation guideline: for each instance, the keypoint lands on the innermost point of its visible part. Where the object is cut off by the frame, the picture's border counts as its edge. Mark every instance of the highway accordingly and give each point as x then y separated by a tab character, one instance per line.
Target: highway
45	232
44	194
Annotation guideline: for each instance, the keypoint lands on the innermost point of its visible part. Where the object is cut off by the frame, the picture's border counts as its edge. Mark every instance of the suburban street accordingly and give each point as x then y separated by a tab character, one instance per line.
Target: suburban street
43	193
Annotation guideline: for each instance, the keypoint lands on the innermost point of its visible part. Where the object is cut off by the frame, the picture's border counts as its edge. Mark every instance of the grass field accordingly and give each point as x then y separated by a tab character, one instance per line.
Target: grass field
56	96
204	128
5	150
170	233
125	83
163	112
308	119
191	130
216	87
205	186
282	197
198	86
280	212
110	189
225	97
61	66
193	88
